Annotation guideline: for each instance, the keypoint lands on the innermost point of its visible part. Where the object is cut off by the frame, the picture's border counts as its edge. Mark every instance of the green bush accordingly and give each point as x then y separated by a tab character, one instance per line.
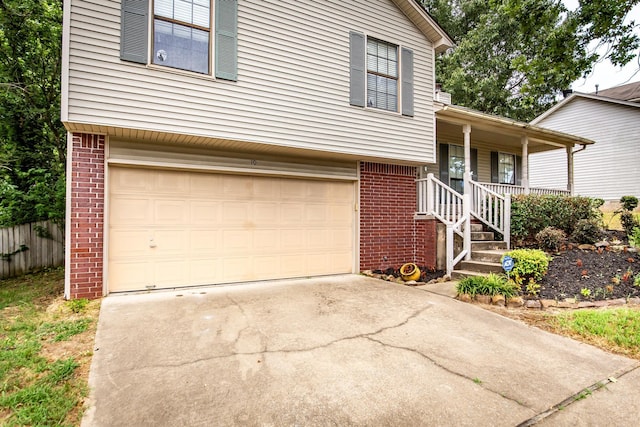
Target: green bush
550	239
492	284
634	237
629	203
529	266
587	231
628	221
532	213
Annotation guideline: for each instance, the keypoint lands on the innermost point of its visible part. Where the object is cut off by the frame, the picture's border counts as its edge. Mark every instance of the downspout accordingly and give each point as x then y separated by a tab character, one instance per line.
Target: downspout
570	162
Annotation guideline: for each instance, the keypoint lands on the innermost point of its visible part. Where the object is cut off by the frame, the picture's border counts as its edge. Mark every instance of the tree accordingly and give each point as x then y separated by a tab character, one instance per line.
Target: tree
32	138
513	57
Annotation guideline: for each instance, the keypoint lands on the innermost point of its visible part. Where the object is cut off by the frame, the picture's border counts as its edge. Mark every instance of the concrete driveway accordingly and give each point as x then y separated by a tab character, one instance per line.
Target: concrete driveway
346	350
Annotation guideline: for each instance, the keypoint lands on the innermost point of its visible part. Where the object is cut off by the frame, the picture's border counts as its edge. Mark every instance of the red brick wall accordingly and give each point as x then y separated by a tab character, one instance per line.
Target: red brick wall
87	216
389	234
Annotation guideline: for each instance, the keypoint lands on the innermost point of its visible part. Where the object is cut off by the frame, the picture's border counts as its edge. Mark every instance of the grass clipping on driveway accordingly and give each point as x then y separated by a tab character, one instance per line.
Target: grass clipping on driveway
46	347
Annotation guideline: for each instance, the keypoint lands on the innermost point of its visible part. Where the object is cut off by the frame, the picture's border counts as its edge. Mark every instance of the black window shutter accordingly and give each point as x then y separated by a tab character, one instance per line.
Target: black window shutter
406	62
474	164
357	71
494	167
226	46
134	31
444	163
518	171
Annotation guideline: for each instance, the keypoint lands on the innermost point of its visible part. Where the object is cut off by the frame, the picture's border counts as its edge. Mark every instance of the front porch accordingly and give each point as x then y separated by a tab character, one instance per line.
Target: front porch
483	161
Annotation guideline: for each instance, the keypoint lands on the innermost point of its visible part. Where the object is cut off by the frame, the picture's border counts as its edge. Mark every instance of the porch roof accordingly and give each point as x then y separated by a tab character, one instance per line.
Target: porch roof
500	132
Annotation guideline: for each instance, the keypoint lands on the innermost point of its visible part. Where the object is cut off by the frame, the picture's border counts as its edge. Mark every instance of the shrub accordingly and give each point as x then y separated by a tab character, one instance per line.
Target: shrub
628	221
629	203
532	213
550	239
634	237
529	265
587	231
492	284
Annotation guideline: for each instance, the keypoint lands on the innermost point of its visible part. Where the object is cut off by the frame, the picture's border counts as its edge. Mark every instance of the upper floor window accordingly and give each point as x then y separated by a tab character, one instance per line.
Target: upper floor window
506	168
194	35
181	34
382	75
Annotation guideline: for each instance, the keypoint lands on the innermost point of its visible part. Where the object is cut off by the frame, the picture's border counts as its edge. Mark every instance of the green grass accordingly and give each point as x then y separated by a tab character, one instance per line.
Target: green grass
39	380
615	329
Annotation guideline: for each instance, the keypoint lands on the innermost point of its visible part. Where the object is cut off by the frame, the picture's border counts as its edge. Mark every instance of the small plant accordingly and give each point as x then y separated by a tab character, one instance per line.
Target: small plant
492	284
528	265
587	231
78	305
629	222
629	203
634	237
551	239
585	292
533	288
627	275
636	280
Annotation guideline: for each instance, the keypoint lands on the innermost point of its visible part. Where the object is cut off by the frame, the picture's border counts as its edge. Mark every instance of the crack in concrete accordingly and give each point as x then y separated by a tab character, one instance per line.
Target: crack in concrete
441	366
284	351
597	386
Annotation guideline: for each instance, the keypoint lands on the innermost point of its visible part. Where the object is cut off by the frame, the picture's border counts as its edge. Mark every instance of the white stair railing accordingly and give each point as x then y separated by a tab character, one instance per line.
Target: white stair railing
443	202
492	209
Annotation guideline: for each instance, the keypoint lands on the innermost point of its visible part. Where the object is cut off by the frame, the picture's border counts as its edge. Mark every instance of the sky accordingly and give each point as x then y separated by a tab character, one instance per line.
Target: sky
604	74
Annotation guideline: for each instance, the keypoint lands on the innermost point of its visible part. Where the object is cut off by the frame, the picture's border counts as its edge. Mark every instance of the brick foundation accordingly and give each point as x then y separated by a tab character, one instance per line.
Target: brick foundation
85	262
389	234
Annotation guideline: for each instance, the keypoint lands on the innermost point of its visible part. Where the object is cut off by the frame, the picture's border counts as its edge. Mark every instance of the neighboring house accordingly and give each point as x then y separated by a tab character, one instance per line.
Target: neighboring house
610	168
229	141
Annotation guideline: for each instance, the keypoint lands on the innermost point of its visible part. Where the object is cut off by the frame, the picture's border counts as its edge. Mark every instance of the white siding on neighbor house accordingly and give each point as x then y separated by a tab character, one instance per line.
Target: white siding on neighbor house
608	169
292	88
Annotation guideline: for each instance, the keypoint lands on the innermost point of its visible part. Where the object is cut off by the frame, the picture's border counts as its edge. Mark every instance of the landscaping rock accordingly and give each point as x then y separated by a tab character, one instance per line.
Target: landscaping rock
634	300
619	301
411	283
566	304
515	302
601	244
498	300
464	297
586	304
548	303
483	299
367	273
532	303
586	247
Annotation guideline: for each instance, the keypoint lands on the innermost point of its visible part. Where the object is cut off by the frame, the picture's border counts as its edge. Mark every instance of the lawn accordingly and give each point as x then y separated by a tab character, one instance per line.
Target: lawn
45	354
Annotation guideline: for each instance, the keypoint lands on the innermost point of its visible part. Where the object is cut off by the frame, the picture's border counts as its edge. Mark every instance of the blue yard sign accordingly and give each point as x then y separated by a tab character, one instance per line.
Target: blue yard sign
507	263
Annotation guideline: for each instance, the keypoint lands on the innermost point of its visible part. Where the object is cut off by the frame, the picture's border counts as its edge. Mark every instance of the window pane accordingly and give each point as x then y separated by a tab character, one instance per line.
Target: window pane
164	8
182	47
201	15
506	168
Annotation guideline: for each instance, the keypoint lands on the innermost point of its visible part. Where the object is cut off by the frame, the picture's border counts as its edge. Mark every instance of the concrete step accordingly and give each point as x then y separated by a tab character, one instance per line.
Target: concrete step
461	274
490	255
476	228
488	245
481	266
482	236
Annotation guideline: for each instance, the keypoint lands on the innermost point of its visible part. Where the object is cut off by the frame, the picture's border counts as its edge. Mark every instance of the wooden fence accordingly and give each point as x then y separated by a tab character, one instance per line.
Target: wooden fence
30	247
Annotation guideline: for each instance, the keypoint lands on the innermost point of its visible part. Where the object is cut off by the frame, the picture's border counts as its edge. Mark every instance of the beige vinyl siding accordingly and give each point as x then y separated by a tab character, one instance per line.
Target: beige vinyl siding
607	169
484	163
292	88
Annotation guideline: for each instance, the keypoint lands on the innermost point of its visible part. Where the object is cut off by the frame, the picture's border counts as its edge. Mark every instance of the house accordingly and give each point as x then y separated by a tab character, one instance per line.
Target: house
228	141
609	169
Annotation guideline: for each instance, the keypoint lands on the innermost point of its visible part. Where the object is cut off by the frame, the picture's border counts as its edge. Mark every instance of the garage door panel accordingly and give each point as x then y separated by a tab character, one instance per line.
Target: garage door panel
130	275
126	243
171	183
174	228
129	210
170	212
170	243
204	241
204	212
170	272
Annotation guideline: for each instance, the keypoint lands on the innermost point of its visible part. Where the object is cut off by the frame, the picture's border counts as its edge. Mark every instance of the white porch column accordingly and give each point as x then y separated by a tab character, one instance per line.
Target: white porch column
525	163
570	169
466	200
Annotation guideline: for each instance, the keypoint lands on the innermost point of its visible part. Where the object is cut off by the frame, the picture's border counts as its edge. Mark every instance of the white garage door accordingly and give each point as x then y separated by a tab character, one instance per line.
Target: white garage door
174	228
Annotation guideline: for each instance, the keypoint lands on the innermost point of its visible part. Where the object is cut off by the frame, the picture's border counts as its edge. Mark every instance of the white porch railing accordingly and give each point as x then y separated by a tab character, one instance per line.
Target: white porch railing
437	199
516	189
492	209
